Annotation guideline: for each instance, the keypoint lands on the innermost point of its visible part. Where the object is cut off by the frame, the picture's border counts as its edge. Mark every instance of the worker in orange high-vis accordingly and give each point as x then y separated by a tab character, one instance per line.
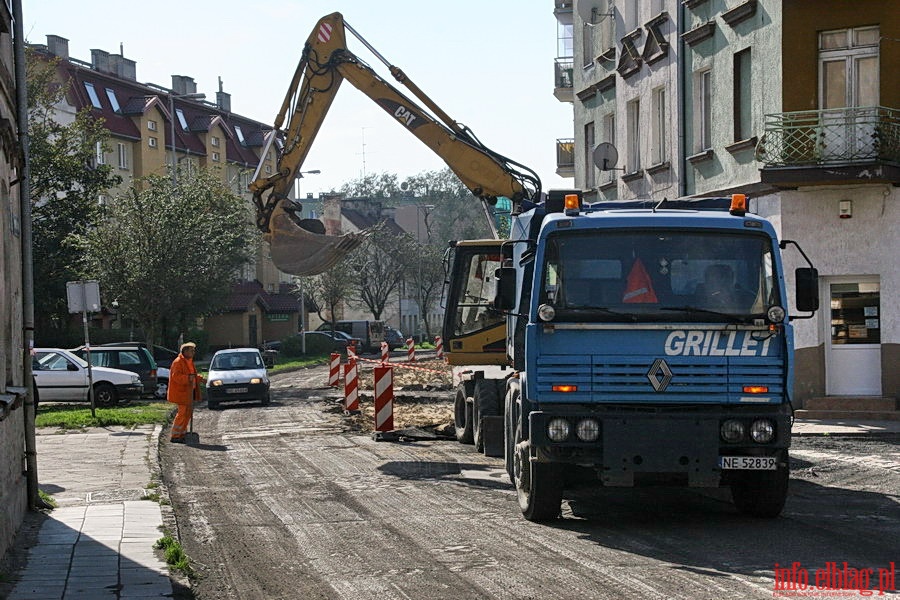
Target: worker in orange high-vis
184	389
638	287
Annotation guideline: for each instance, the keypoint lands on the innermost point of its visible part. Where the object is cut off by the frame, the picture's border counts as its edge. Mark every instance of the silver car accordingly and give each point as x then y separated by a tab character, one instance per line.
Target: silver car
237	375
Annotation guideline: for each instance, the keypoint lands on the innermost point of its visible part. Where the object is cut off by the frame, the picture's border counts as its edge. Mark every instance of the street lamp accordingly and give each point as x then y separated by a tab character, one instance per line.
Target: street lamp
198	96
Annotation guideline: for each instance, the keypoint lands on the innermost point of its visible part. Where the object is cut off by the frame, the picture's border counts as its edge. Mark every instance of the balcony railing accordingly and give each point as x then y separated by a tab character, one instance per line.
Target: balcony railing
562	73
831	137
565	157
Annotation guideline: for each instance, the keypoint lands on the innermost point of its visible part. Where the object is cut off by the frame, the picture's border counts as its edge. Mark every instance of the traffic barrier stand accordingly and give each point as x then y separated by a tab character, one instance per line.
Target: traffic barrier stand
439	346
351	387
384	401
334	370
385	352
410	350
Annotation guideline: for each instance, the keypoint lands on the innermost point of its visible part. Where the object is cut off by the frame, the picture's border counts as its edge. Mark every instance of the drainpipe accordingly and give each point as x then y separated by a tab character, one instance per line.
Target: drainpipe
28	411
682	102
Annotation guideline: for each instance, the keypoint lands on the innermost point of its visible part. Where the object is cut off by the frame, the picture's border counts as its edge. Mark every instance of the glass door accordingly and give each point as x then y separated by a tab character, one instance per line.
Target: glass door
854	349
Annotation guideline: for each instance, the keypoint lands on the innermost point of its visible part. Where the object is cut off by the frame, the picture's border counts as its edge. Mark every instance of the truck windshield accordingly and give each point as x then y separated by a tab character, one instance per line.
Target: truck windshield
659	276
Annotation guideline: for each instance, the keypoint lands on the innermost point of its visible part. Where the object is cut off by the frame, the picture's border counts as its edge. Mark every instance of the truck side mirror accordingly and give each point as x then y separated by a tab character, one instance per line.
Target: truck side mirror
506	288
807	292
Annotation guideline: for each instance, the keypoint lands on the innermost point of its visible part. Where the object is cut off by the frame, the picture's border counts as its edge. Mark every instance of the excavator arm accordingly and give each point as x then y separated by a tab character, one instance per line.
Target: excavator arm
304	247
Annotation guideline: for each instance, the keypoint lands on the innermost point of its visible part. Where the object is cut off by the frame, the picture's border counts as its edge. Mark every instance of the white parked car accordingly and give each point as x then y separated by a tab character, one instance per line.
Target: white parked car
60	376
237	374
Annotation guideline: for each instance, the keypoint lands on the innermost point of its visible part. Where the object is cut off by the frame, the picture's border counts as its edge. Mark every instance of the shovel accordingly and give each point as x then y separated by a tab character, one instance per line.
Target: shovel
191	438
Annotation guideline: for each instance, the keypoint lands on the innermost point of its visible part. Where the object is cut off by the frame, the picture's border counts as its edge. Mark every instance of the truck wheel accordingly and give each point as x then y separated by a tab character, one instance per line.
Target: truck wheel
462	416
539	486
105	394
510	418
487	404
761	493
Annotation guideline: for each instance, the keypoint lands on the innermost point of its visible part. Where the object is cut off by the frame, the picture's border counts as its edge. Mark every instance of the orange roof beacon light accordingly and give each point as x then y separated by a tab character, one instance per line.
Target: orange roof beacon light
738	205
571	205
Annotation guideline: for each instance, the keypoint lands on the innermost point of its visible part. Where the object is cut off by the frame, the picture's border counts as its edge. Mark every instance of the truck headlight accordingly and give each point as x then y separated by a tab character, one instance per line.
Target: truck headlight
546	312
776	314
558	429
732	431
587	430
762	431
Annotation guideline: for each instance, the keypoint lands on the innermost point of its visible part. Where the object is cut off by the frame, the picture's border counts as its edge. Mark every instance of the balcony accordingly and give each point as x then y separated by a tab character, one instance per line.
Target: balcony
833	146
563	85
563	11
565	157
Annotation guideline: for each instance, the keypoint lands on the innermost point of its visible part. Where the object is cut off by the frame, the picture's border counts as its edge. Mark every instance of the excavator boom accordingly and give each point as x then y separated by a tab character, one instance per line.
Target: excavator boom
305	247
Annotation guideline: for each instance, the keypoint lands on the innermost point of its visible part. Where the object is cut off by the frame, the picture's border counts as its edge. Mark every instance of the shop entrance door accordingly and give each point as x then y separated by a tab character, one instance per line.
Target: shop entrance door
853	352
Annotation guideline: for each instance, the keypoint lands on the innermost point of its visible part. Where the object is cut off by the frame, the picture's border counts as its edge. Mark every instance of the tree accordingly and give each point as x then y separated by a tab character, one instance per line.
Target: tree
330	289
379	266
425	275
372	185
170	254
66	184
457	213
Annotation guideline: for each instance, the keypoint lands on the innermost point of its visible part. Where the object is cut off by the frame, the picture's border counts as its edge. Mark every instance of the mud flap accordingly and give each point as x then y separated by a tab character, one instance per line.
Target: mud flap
492	432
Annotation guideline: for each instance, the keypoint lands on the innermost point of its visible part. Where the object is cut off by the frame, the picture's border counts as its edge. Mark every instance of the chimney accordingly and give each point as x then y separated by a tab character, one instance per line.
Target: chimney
58	46
223	99
115	64
129	69
100	60
182	84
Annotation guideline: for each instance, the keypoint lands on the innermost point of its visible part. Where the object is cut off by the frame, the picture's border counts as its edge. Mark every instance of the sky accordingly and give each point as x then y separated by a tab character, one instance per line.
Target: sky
486	63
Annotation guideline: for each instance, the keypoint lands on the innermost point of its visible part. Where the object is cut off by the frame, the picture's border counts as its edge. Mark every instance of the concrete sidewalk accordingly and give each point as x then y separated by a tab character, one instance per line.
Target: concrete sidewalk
844	427
99	542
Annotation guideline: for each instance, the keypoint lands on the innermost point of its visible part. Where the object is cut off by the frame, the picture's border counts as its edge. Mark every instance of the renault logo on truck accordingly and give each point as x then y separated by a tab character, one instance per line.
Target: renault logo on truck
660	375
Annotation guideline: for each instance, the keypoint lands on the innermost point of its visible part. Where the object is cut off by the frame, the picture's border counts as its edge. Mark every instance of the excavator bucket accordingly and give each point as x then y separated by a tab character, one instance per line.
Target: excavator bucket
301	251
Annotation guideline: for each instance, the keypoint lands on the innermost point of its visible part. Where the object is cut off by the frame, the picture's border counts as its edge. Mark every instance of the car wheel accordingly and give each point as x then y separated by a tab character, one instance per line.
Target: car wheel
162	388
212	405
105	395
266	400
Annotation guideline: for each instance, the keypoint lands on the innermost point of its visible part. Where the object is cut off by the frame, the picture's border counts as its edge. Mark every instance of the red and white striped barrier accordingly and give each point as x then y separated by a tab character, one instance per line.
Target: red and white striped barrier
385	352
439	346
351	386
410	350
334	370
384	399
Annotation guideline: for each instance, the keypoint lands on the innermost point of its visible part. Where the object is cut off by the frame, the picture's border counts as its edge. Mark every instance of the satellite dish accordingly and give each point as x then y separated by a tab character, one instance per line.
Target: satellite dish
605	156
593	11
404	186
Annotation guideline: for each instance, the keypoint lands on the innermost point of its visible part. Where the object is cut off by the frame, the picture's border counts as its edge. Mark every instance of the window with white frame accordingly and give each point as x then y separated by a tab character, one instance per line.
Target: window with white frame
113	101
123	155
633	123
151	125
215	141
215	156
589	169
92	94
659	129
181	119
848	67
743	115
239	133
702	103
99	155
152	142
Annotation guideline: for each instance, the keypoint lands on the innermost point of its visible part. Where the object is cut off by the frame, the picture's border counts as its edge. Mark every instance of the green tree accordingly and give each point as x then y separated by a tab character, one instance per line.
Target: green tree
457	213
379	266
170	254
425	279
328	290
372	185
66	184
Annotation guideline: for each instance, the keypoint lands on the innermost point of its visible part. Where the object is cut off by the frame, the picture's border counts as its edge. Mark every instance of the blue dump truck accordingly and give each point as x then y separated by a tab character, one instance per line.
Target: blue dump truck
628	344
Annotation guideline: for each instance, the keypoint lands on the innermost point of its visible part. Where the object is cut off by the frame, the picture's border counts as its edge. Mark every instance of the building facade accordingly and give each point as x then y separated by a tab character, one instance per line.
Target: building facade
794	104
159	130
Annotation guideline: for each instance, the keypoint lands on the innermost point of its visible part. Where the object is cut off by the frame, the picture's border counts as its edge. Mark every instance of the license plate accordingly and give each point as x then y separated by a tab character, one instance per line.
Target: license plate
236	391
748	463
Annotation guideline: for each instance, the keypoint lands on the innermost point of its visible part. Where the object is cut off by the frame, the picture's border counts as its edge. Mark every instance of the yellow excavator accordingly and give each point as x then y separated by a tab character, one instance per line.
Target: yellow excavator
303	246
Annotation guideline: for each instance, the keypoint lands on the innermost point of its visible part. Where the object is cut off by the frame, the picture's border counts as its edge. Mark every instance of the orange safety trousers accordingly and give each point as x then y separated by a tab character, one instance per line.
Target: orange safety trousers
182	420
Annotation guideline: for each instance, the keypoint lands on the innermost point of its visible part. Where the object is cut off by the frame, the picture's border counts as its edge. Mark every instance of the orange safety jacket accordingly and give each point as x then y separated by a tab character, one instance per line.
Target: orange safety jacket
181	390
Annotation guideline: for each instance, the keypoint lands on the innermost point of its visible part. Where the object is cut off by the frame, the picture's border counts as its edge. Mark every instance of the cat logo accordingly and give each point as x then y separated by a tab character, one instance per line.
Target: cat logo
403	114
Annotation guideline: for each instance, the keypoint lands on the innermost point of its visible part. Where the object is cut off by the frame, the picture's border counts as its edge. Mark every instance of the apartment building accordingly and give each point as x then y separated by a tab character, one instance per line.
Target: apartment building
155	130
794	104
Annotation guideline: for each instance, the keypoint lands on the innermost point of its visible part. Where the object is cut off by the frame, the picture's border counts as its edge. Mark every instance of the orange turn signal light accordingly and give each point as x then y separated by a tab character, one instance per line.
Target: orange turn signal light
756	389
738	205
565	388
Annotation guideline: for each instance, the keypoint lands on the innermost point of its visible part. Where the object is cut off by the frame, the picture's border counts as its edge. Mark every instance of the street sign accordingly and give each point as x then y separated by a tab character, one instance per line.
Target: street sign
83	296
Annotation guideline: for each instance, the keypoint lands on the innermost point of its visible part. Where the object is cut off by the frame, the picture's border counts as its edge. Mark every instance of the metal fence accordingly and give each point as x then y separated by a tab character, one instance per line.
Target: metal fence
565	153
832	136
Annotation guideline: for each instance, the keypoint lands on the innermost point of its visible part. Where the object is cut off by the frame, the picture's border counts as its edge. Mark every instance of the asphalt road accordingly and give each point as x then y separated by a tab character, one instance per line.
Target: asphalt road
285	502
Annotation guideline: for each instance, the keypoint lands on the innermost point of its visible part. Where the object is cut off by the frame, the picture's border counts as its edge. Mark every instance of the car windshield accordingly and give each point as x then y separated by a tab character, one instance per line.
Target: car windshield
55	361
233	361
659	276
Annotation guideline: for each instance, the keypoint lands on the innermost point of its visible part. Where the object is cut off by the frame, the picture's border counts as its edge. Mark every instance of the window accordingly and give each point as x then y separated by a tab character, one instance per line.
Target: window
659	126
151	142
702	110
181	119
92	94
99	155
215	156
101	200
215	141
113	101
589	170
743	116
123	156
848	68
239	132
609	135
151	125
633	114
